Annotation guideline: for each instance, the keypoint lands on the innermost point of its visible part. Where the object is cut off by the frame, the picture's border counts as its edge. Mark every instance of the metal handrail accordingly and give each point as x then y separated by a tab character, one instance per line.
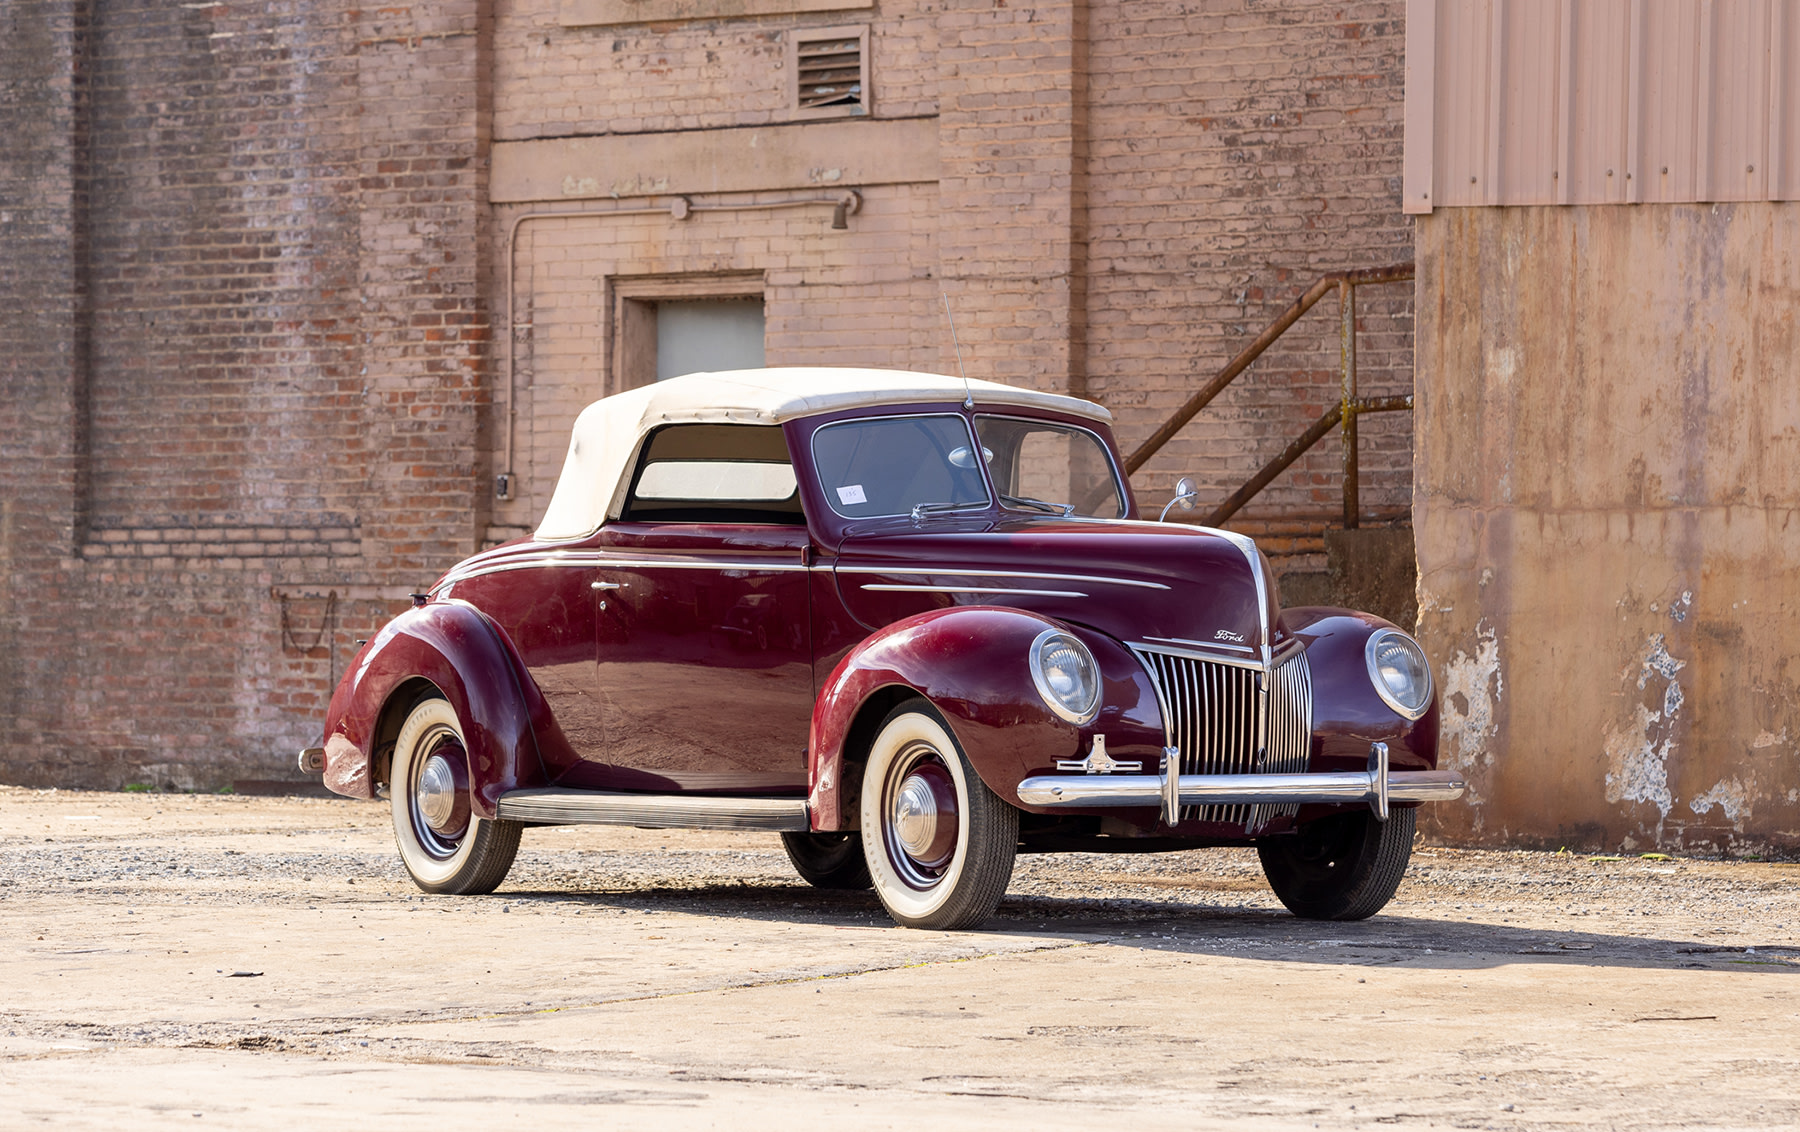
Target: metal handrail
1344	413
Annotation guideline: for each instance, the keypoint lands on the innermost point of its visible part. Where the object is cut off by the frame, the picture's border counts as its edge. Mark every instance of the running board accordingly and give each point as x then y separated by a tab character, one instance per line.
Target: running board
556	806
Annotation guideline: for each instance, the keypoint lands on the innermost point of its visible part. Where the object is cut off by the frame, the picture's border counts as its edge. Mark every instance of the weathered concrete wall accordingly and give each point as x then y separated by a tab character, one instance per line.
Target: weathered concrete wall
1607	505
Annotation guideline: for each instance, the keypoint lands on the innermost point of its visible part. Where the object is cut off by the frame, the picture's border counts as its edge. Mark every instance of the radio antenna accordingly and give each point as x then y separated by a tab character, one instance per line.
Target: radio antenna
968	393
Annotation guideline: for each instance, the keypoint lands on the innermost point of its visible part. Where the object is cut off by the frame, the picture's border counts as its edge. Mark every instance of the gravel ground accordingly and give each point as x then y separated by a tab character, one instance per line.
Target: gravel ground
167	957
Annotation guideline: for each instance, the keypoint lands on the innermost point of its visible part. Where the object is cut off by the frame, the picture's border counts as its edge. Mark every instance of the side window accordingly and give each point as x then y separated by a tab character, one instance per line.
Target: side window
708	473
1041	466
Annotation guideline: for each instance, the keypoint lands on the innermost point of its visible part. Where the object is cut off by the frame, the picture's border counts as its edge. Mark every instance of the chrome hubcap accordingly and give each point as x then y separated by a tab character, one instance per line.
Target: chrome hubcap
437	793
921	820
916	816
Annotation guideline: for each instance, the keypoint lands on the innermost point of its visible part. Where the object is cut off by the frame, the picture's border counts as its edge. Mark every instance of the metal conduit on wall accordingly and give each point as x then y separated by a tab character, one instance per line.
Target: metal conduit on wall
843	205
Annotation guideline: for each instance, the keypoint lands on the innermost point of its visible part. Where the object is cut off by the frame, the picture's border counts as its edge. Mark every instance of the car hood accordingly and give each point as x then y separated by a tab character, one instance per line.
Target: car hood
1158	583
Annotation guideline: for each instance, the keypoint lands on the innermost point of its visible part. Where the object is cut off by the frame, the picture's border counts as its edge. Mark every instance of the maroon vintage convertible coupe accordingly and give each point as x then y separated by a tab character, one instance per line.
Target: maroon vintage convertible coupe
912	624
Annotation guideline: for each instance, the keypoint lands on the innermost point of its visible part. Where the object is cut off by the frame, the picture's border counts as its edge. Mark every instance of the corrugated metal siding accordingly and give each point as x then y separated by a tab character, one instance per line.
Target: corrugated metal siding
1601	101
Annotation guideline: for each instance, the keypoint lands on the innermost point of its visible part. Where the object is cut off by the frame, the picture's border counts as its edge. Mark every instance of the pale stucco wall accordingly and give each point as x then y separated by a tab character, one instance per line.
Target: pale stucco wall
1607	502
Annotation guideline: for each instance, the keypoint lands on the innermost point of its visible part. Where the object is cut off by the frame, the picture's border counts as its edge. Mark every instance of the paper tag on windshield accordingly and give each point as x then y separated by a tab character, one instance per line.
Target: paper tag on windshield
852	494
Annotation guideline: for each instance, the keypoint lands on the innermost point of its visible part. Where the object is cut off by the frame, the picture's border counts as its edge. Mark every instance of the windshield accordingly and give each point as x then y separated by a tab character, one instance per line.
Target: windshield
1056	469
889	465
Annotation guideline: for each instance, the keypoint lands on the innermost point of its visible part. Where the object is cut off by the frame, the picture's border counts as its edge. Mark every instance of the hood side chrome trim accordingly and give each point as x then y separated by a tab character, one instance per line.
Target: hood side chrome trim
1287	651
971	590
1189	642
1247	547
948	572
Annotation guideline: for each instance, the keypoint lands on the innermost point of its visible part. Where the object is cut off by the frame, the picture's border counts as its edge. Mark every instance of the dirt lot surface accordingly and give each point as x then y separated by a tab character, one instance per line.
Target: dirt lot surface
196	961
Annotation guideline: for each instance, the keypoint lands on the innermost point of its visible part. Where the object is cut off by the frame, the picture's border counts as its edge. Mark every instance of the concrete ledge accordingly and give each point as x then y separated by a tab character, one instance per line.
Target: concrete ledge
602	13
802	155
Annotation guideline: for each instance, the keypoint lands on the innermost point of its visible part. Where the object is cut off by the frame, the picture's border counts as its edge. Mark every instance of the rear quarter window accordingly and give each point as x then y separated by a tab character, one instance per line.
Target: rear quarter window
707	473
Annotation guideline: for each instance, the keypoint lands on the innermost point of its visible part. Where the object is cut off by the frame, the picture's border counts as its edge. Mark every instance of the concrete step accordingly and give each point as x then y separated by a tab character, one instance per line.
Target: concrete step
1373	569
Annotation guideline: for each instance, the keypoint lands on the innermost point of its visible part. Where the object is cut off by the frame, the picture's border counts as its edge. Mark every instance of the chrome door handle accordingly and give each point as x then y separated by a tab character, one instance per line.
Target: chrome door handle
606	585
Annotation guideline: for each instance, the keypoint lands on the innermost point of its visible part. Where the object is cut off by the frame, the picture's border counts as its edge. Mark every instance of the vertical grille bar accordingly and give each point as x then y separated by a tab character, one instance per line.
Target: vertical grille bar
1222	717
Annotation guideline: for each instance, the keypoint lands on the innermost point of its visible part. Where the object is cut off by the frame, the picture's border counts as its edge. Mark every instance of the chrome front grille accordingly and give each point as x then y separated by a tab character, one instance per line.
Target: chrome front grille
1235	719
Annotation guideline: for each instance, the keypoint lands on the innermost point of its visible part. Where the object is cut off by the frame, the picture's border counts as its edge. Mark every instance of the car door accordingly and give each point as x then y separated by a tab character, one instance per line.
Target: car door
703	629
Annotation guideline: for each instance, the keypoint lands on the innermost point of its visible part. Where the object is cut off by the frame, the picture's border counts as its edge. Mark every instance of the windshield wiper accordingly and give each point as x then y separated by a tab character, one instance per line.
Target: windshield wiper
920	510
1062	509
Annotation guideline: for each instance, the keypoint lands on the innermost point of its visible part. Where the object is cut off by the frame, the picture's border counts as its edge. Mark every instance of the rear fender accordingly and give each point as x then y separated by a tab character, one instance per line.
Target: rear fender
450	648
1348	714
971	663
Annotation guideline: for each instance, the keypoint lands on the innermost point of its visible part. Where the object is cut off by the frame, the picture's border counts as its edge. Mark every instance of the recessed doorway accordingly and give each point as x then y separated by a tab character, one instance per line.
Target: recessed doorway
667	326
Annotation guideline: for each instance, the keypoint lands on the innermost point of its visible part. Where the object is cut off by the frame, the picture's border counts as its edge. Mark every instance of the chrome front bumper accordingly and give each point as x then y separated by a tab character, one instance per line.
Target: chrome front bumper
1378	786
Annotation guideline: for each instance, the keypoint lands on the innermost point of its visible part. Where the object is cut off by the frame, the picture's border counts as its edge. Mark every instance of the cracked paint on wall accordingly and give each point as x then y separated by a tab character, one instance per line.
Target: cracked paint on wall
1731	796
1621	474
1471	688
1637	751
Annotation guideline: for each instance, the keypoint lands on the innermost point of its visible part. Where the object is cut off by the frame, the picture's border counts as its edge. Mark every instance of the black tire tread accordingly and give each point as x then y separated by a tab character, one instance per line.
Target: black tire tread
1392	855
1371	878
992	851
496	844
848	875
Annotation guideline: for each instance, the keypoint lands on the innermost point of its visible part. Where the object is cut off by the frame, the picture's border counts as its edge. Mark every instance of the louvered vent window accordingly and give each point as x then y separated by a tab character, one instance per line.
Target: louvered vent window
830	69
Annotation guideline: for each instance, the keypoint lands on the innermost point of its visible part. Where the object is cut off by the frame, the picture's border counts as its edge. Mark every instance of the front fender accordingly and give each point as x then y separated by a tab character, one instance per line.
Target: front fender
453	647
1348	714
971	663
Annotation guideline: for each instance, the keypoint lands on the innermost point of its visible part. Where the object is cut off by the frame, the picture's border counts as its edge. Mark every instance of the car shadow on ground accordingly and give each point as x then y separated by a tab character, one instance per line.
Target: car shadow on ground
1237	931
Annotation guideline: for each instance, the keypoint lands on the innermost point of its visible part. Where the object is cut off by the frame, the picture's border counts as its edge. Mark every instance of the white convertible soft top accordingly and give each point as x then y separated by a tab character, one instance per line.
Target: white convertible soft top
608	432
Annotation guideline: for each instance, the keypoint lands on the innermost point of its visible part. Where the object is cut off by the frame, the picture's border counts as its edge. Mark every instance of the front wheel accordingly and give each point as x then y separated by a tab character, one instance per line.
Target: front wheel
1342	867
442	843
939	844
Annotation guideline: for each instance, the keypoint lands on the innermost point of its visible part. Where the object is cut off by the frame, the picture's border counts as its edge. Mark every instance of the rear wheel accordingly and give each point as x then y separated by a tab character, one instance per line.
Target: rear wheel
939	844
1342	867
443	844
828	860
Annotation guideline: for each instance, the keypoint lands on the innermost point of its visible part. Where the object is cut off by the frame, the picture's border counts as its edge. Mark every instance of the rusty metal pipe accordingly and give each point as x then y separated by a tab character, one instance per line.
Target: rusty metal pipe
1383	404
1347	328
1276	466
1393	273
1204	395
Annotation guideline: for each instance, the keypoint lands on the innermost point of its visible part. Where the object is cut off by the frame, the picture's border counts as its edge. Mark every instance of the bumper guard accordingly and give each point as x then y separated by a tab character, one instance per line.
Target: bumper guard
1378	786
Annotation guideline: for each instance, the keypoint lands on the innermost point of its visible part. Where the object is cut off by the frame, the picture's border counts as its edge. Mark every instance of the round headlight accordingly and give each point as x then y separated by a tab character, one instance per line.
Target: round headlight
1399	672
1066	676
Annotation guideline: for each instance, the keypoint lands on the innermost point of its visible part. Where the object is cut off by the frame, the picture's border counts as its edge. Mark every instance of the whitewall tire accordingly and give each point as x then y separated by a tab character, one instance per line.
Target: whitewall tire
443	845
939	844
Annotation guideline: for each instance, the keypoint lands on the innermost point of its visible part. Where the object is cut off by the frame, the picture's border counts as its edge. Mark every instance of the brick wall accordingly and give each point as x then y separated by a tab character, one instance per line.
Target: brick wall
1125	196
253	282
1238	151
40	394
1013	117
243	389
864	297
556	81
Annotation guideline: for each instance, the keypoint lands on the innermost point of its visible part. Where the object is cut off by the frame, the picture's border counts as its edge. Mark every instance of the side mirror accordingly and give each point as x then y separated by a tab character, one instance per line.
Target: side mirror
1186	492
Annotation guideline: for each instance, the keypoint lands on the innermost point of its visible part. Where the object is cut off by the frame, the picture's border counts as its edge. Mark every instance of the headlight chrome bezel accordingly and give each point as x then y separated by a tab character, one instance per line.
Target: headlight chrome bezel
1042	644
1388	697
